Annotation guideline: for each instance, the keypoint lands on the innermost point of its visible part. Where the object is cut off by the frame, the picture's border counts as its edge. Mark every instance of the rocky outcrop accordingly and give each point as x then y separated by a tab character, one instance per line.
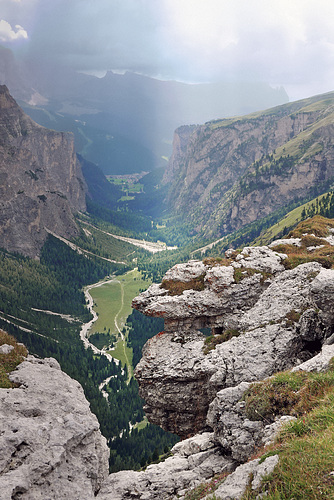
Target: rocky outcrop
277	318
41	183
194	461
264	316
50	443
226	174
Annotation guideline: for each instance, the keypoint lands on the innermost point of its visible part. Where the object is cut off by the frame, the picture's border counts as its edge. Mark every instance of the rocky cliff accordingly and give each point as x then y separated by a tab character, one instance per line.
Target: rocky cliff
40	180
226	174
268	308
50	442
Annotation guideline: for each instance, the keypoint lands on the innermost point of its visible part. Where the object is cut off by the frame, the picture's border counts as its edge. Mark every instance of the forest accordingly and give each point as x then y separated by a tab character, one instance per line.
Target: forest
28	290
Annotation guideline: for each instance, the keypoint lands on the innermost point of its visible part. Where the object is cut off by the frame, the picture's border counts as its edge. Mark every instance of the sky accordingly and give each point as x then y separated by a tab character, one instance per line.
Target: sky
286	43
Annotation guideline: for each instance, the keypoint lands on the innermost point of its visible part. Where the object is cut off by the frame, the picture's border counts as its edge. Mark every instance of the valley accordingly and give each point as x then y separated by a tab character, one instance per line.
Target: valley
92	246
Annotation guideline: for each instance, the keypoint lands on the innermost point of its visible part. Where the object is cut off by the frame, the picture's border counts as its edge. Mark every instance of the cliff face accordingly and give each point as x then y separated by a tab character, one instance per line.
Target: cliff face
40	181
229	173
50	442
265	315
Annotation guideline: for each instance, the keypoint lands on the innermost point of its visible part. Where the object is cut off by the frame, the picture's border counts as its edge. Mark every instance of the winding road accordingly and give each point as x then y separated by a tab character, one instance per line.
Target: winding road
87	326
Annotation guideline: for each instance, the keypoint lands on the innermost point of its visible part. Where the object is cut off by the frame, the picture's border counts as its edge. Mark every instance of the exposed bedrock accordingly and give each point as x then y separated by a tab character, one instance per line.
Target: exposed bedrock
50	442
278	319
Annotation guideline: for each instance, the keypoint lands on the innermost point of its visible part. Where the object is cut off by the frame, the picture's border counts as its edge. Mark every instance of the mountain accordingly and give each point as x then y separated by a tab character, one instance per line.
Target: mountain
42	186
228	173
125	123
269	309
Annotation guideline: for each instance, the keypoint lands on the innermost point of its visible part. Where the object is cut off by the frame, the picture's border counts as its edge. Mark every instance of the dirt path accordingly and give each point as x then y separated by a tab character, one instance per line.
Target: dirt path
150	246
81	251
118	328
87	326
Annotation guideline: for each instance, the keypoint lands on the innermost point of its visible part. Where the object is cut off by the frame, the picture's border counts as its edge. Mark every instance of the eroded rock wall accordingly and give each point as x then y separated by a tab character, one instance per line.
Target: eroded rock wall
41	183
277	318
50	442
222	175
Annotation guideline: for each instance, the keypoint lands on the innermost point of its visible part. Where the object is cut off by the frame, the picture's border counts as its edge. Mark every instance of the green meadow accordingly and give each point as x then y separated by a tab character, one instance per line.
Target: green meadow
112	303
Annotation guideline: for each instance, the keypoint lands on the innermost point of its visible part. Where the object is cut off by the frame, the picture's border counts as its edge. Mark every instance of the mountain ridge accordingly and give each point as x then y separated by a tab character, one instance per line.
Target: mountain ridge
228	173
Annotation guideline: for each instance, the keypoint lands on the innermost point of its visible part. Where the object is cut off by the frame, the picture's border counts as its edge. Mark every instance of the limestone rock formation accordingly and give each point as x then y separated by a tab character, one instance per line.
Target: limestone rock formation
41	183
50	443
276	319
229	173
264	315
194	460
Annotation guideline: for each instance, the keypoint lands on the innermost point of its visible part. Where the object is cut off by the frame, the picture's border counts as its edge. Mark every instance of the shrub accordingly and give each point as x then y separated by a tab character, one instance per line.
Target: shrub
213	340
8	362
178	287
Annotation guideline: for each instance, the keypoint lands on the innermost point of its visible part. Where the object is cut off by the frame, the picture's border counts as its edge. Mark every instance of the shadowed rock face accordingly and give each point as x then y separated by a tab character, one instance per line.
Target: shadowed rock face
279	318
41	184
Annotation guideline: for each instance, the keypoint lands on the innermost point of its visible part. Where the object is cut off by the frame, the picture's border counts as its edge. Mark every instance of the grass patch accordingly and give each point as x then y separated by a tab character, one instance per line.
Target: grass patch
305	446
178	287
213	340
317	225
287	393
112	303
141	425
293	316
8	362
288	221
123	353
319	228
206	488
240	273
216	261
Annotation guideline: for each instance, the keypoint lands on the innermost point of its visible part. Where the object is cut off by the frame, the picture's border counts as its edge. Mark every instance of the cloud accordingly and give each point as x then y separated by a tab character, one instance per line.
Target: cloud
9	34
277	41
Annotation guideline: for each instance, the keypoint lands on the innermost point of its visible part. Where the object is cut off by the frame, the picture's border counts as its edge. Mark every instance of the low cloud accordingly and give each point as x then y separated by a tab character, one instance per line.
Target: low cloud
10	34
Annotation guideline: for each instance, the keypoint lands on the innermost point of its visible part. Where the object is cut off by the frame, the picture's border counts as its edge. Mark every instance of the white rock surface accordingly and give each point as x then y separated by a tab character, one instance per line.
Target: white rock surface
318	363
236	483
185	272
262	258
6	348
286	241
194	460
50	443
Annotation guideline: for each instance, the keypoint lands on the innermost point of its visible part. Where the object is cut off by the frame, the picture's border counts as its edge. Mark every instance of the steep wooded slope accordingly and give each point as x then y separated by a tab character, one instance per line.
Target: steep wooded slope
226	174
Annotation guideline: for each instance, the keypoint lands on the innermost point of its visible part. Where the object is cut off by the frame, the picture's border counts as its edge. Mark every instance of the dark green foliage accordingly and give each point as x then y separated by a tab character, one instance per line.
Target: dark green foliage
125	220
141	329
102	339
70	267
101	191
322	206
139	448
55	284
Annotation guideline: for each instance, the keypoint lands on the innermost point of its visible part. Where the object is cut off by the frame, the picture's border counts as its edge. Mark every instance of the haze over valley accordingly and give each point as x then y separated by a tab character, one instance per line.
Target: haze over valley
166	249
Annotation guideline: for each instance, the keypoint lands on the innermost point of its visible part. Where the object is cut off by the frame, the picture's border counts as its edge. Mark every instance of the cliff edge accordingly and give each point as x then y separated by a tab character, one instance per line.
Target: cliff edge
50	442
267	309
